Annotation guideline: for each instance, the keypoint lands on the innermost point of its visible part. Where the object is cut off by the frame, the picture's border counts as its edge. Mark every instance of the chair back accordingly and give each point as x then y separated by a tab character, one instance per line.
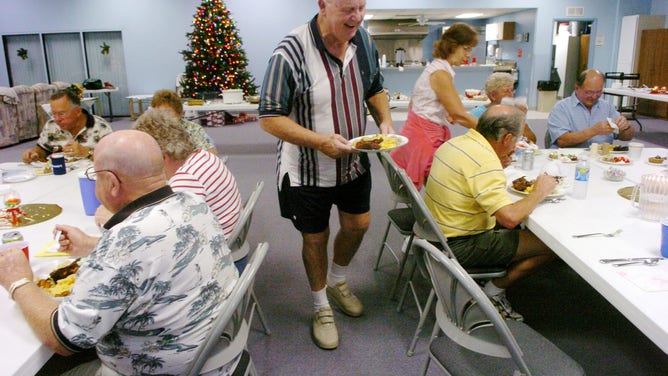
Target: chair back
399	191
237	239
214	352
425	226
463	311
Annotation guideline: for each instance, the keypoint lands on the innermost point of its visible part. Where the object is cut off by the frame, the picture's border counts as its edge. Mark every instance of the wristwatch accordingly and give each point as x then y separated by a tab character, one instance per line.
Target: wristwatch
90	153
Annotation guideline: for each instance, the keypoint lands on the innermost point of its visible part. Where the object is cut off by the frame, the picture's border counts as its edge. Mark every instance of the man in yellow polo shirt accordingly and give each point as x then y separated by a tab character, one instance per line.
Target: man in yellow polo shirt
466	193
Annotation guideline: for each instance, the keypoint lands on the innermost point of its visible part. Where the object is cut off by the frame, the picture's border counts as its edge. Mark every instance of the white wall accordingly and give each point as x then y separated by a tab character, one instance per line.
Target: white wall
154	30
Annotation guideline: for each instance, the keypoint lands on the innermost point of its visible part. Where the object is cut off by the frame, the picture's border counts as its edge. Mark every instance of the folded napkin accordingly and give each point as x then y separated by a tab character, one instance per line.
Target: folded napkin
50	249
648	278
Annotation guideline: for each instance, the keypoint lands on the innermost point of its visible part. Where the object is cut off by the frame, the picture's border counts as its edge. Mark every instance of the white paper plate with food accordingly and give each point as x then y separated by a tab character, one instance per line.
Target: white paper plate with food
378	142
522	186
656	161
56	277
617	160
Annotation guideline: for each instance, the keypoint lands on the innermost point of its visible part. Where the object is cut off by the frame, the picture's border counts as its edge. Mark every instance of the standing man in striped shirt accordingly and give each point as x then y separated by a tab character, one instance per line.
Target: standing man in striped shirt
466	193
318	83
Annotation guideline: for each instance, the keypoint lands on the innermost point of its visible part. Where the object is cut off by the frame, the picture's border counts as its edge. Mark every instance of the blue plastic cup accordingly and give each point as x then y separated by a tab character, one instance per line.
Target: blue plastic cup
664	237
90	201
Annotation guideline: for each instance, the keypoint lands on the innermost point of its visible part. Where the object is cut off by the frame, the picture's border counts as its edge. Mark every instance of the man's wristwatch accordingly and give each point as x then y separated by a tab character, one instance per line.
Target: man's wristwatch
90	153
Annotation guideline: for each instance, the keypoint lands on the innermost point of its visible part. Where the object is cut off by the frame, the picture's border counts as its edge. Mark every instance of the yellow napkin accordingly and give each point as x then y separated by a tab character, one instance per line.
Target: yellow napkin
45	251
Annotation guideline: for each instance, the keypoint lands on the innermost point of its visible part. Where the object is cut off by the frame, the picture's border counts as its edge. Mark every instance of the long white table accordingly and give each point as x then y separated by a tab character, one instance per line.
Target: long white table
638	93
107	92
21	352
604	210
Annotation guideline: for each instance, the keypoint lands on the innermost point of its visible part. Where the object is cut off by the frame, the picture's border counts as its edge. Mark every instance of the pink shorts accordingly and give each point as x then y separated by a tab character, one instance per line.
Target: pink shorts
424	137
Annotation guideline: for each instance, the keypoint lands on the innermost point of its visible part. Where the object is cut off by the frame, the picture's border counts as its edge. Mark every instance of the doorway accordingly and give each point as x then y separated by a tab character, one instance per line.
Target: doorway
571	51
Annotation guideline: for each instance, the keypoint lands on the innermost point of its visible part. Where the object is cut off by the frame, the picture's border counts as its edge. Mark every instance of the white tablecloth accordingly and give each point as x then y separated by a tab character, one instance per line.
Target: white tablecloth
604	210
21	351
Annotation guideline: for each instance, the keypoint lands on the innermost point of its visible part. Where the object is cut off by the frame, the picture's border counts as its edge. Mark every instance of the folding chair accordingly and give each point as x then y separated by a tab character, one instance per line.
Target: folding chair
401	218
426	228
238	243
229	334
477	340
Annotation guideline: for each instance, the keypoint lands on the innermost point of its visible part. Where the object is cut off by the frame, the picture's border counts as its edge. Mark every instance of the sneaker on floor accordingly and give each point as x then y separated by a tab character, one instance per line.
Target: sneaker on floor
324	330
346	300
505	309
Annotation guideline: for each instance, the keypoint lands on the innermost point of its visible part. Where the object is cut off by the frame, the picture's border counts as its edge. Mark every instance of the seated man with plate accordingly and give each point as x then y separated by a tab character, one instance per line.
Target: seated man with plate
582	118
466	193
72	130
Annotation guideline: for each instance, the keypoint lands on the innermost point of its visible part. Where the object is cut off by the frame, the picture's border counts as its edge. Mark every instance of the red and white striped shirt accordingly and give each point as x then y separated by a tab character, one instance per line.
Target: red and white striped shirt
205	175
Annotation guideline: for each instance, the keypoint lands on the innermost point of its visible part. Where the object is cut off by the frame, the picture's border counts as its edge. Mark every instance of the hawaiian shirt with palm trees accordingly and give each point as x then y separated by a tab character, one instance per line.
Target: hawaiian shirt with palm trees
147	294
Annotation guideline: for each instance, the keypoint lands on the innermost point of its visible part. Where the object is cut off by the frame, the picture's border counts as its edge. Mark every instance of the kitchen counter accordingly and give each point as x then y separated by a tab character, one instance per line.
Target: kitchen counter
466	77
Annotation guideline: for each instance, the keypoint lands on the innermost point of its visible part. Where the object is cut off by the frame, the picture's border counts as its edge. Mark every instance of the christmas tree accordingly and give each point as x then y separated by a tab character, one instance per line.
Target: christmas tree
215	59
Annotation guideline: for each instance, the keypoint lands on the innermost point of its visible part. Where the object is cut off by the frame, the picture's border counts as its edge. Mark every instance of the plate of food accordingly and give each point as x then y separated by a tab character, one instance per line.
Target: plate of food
564	158
656	160
378	142
619	149
57	277
523	186
615	160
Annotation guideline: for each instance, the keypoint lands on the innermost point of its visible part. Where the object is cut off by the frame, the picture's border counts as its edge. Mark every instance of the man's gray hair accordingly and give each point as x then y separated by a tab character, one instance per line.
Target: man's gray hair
499	120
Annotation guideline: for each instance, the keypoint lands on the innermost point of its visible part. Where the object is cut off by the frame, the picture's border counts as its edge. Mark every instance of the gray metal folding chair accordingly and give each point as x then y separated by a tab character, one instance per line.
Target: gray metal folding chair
477	340
425	227
228	337
238	243
401	218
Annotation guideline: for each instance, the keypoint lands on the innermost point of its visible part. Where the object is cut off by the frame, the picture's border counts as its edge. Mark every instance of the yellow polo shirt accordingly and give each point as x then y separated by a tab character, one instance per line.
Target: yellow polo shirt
466	186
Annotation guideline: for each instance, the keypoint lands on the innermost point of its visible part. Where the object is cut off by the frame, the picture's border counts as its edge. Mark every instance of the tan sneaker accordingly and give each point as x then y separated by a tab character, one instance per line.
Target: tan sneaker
346	300
324	330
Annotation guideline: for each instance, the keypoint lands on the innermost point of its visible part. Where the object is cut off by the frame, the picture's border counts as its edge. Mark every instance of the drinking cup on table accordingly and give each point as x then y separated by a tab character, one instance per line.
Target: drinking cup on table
58	163
664	237
635	150
87	188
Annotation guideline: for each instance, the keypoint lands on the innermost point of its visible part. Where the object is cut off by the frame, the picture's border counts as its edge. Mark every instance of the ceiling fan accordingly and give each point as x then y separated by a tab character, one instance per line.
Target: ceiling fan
421	20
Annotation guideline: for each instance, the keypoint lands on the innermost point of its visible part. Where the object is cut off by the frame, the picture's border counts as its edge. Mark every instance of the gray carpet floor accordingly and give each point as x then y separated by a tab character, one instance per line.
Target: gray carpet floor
555	301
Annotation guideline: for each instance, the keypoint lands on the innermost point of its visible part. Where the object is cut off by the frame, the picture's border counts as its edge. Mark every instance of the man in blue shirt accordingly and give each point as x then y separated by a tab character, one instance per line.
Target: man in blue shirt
581	119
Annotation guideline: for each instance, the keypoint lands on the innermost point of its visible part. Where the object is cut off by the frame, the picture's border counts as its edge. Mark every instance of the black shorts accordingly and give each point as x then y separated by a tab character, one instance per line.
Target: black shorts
493	248
309	207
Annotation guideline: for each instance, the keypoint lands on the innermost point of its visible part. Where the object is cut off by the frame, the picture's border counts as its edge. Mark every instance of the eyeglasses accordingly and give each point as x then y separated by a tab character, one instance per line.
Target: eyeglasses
468	48
91	174
592	93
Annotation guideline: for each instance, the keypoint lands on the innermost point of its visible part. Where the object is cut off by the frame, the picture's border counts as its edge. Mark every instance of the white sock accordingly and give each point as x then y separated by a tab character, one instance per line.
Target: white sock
336	275
320	299
491	289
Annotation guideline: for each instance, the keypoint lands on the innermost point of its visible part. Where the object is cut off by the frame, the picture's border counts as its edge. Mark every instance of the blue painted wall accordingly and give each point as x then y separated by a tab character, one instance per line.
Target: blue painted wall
154	30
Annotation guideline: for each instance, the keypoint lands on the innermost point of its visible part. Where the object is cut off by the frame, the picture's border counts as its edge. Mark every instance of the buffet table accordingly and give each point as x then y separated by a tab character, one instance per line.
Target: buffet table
22	352
639	292
637	93
193	112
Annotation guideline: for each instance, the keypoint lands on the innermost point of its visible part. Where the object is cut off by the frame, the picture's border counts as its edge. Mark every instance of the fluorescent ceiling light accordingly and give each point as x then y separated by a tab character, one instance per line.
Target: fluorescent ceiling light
368	16
469	15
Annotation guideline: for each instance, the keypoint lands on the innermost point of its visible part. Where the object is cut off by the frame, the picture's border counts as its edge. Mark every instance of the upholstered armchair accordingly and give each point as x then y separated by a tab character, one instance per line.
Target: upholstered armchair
42	94
9	116
28	127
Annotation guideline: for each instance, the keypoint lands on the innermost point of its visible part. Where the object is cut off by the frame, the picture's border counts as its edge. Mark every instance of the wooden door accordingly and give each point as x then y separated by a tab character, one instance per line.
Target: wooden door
653	69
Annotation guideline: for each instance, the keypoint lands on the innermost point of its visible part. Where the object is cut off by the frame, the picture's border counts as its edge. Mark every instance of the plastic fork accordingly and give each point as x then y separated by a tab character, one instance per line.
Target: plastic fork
610	235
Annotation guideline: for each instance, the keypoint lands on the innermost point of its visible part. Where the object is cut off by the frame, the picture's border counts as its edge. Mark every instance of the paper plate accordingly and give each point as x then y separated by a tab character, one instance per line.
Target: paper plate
616	163
400	141
17	175
560	192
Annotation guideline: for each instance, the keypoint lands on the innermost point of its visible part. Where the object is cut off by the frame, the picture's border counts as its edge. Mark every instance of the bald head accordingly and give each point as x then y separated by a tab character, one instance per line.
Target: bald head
499	120
131	154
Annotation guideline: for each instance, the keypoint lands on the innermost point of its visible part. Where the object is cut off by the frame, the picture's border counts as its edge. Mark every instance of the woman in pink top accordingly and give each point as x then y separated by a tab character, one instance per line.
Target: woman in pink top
435	104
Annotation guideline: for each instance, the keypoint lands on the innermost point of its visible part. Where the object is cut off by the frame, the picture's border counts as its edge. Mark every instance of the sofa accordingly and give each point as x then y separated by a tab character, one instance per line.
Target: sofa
21	114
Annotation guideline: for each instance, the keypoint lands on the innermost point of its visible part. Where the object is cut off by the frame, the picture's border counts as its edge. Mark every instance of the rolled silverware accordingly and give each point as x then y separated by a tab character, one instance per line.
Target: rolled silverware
630	259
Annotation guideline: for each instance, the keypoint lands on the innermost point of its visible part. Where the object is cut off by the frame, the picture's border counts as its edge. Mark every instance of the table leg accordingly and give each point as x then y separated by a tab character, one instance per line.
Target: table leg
131	103
111	112
141	107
